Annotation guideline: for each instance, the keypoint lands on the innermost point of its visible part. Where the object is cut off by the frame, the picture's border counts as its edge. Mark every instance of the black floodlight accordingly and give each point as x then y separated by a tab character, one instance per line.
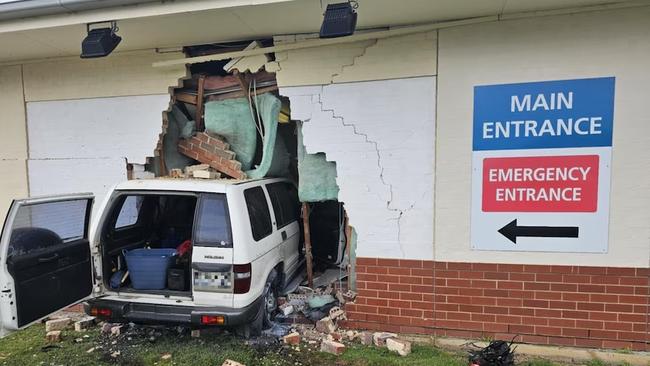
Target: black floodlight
340	20
100	42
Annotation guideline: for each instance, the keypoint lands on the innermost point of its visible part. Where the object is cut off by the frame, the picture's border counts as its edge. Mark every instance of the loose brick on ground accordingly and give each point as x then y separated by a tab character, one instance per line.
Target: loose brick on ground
84	324
332	347
292	339
379	338
325	325
57	324
53	336
403	348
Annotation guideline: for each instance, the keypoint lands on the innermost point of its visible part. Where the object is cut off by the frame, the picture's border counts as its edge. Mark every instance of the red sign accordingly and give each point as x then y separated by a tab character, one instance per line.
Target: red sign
541	184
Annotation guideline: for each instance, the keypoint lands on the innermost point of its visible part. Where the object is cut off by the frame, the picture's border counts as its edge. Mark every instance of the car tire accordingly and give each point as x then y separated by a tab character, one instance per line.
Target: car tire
263	317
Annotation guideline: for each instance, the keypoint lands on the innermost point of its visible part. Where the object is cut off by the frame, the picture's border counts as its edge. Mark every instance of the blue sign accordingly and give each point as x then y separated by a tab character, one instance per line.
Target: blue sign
547	114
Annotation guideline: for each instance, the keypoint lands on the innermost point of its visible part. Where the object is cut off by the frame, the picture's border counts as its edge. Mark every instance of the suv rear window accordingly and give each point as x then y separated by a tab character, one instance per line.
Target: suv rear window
284	199
258	212
213	222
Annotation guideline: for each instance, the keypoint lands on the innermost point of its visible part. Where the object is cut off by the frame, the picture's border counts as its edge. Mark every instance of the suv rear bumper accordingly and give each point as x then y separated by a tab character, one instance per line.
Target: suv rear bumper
128	311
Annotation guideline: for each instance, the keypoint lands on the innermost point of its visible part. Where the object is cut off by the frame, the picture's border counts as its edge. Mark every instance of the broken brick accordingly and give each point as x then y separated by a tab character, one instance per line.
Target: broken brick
349	296
366	338
335	336
325	325
292	339
379	338
176	173
106	327
339	297
53	336
231	363
402	347
350	335
116	330
84	324
337	313
205	174
57	324
286	309
332	347
297	297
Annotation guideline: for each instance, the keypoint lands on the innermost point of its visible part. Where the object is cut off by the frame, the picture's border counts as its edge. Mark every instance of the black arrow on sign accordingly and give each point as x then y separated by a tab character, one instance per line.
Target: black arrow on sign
512	231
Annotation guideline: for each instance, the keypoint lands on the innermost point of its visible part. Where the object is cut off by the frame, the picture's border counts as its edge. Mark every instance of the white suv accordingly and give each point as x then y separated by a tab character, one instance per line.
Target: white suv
244	238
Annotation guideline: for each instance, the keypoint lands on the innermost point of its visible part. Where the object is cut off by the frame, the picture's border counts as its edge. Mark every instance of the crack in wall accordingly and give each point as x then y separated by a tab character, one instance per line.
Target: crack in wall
278	66
354	60
388	185
285	57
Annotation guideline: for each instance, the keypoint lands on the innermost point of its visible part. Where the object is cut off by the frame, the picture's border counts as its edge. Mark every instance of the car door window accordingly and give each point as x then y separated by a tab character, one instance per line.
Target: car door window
129	212
258	212
284	199
213	223
41	226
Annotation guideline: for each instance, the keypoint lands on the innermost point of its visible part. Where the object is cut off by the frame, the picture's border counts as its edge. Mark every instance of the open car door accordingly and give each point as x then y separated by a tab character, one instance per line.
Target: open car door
45	260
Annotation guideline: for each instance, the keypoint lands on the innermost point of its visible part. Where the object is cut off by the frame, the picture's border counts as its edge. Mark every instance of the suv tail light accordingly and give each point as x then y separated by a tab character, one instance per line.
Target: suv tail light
213	320
242	274
101	312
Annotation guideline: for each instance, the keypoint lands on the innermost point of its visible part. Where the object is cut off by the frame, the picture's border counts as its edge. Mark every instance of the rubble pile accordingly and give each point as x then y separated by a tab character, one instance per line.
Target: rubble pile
309	319
55	326
312	317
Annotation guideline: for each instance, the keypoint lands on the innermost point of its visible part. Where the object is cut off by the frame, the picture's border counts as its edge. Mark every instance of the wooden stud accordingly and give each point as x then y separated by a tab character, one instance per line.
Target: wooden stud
308	255
199	105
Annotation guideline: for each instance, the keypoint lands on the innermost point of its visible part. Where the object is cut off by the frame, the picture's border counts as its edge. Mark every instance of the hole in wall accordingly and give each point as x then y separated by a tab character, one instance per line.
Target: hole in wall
333	239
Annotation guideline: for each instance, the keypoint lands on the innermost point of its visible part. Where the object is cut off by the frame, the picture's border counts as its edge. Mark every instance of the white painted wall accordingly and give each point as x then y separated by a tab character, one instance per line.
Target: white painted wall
613	43
83	145
58	176
125	127
381	136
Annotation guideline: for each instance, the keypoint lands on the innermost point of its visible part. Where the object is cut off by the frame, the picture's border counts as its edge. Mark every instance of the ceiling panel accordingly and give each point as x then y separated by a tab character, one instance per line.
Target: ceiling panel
249	22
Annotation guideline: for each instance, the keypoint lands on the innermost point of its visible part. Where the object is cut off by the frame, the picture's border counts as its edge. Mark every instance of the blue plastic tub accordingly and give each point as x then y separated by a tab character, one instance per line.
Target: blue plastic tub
148	267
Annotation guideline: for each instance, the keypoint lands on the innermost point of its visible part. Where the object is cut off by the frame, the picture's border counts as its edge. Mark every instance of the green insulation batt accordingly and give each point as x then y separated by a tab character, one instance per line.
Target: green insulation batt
232	119
275	158
317	181
178	126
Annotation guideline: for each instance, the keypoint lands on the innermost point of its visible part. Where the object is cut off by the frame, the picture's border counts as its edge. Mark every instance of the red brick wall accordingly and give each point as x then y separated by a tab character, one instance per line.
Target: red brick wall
603	307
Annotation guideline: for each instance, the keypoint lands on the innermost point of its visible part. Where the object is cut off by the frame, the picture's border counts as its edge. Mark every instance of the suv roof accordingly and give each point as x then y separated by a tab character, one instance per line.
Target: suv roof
185	184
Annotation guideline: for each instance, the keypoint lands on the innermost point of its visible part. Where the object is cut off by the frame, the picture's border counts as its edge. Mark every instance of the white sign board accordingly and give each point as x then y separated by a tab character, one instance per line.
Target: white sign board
541	166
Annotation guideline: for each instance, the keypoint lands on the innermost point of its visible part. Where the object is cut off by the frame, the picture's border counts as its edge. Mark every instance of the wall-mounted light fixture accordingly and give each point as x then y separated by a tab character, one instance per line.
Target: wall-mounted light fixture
340	20
100	42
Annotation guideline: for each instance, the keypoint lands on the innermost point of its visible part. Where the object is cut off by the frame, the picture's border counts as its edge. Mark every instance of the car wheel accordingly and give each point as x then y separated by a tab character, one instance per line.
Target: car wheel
264	316
270	304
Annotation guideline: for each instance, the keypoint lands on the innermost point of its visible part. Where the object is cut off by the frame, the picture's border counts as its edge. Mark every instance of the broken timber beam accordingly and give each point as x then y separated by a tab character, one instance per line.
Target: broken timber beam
241	93
308	255
185	98
348	244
